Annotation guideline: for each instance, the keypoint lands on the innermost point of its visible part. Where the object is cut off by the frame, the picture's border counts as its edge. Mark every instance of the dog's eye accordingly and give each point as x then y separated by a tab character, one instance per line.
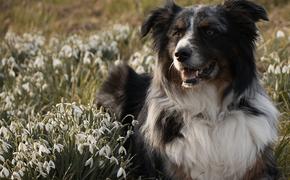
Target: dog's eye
210	32
178	32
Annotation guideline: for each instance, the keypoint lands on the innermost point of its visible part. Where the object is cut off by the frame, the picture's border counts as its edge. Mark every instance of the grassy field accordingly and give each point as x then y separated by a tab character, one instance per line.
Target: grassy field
54	54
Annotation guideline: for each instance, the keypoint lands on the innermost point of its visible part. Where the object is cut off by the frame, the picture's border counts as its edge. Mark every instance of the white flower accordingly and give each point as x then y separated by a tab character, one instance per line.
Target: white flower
11	61
58	147
43	174
105	151
56	62
64	127
271	68
87	57
66	51
44	86
90	162
81	148
4	131
16	175
48	127
122	150
121	172
25	86
135	123
22	147
277	70
39	63
4	172
77	111
48	165
11	72
91	139
91	148
140	69
118	62
113	159
285	70
81	137
280	34
2	158
43	149
276	86
5	146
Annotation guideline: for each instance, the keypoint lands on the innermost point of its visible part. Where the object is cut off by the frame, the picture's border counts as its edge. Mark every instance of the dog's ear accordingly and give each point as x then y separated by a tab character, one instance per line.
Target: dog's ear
160	18
246	9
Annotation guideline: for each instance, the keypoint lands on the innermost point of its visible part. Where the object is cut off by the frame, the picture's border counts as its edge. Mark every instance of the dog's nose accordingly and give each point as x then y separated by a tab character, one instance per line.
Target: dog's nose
183	54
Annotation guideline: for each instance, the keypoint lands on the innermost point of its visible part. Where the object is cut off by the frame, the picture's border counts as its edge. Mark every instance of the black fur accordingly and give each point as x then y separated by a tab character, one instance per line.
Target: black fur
170	126
124	93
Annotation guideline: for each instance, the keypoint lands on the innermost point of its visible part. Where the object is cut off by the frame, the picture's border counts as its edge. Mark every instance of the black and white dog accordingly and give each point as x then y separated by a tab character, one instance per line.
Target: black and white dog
203	114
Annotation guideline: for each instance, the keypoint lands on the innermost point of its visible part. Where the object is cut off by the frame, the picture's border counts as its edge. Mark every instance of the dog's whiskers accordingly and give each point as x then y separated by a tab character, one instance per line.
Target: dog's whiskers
170	67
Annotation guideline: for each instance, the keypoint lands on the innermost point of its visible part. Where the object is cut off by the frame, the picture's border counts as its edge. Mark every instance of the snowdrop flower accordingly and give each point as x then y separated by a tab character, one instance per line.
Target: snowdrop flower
77	111
81	148
135	122
140	69
22	147
25	86
87	58
39	63
48	127
66	51
277	70
4	173
43	149
105	151
58	147
4	131
56	63
48	165
285	69
121	172
81	137
113	159
90	162
280	34
11	72
44	86
118	62
5	146
2	159
271	68
16	175
122	150
94	41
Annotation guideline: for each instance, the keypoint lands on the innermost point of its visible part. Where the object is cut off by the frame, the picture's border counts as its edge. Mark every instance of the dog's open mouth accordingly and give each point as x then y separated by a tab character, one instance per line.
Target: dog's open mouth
192	76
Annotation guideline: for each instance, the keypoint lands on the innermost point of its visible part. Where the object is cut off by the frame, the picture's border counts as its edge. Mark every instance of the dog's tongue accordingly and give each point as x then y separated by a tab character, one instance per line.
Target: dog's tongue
189	77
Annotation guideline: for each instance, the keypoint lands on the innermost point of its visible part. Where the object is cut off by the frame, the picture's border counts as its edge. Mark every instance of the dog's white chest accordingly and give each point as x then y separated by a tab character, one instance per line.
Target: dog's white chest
223	150
216	146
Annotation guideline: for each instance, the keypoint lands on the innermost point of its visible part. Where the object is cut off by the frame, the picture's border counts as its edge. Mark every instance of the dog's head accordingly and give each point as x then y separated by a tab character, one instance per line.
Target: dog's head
206	43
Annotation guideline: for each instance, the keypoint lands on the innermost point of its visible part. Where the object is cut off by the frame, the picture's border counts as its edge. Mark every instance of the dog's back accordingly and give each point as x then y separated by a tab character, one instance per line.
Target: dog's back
124	91
123	94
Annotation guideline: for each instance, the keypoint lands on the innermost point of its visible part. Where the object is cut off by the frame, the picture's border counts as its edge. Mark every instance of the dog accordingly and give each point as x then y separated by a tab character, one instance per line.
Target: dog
203	114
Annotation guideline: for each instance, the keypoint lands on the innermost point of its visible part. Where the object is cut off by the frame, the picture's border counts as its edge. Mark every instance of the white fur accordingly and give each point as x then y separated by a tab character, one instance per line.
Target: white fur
185	41
223	144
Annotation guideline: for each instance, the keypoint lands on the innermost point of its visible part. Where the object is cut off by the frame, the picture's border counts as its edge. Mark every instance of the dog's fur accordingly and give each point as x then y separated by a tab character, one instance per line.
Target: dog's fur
203	114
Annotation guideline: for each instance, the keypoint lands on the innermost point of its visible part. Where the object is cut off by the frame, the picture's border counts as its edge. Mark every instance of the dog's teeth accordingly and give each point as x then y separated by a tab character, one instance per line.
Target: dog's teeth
200	72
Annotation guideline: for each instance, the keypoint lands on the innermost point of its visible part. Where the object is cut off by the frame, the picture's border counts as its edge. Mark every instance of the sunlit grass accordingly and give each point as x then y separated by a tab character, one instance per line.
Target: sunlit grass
45	77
